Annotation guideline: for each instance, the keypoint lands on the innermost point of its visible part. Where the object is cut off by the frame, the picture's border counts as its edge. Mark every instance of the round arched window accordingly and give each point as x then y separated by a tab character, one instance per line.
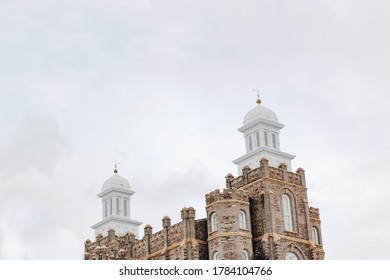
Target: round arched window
245	255
242	219
314	235
213	221
291	256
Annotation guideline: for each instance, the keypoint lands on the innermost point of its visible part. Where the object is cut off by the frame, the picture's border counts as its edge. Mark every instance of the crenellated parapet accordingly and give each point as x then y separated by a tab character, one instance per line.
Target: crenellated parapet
266	171
314	213
177	241
226	194
110	247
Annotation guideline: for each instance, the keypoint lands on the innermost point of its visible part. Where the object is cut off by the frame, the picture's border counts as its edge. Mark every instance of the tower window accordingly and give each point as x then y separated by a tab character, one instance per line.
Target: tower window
274	141
314	235
266	138
242	219
125	207
287	216
213	220
105	208
244	255
257	139
117	205
291	256
250	142
110	206
216	256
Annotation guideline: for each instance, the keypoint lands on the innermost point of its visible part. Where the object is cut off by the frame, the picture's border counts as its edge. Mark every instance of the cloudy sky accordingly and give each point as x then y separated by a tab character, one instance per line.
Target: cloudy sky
162	86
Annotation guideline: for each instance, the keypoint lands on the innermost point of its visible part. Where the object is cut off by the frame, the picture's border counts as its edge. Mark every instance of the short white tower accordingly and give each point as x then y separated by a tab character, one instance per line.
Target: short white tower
116	195
261	133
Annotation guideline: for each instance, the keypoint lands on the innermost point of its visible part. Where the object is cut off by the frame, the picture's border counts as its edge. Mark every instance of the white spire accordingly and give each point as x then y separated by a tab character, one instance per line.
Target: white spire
261	129
116	195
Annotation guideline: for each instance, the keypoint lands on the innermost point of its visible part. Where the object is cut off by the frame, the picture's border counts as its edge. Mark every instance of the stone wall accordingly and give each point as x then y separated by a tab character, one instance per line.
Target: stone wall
184	240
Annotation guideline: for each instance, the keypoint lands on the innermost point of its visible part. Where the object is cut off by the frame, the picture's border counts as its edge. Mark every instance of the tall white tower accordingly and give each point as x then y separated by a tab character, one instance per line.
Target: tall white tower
261	133
116	195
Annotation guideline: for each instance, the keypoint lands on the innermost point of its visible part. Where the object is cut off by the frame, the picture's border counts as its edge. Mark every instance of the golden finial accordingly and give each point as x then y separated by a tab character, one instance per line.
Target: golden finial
116	166
258	101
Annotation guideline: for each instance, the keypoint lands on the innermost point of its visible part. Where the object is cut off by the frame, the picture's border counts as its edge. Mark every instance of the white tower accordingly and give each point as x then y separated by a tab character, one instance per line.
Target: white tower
261	132
116	195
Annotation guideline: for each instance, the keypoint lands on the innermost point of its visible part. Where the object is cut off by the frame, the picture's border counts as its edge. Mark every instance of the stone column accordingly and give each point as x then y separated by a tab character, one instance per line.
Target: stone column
264	167
301	173
229	177
245	171
148	230
283	166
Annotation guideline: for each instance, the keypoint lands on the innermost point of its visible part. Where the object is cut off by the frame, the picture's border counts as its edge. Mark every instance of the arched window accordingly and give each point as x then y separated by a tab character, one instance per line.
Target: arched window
244	255
117	205
213	220
266	138
287	215
257	139
314	235
291	256
216	256
242	219
110	206
105	208
125	207
250	142
274	141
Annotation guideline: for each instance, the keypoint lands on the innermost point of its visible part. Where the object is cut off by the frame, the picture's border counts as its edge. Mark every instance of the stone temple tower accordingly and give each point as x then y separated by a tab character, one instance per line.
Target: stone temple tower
116	195
283	226
229	227
264	212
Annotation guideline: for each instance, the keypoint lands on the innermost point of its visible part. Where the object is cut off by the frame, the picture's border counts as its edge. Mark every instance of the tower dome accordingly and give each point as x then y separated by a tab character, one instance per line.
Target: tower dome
260	112
116	181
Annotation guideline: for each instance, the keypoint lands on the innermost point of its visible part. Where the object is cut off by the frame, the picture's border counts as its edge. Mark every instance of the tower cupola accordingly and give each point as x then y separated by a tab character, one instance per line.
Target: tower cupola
261	130
116	196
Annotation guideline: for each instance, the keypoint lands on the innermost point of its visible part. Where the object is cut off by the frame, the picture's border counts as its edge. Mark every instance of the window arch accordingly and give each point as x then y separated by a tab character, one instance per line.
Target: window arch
213	221
250	142
257	139
242	219
105	209
266	138
314	235
273	140
291	256
216	256
244	255
287	214
111	206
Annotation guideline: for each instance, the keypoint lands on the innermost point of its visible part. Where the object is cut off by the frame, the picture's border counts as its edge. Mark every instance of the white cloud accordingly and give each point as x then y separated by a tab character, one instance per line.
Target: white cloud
163	86
36	143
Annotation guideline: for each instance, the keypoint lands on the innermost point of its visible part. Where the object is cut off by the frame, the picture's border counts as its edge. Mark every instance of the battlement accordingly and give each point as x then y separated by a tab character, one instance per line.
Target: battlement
265	171
226	194
314	213
164	244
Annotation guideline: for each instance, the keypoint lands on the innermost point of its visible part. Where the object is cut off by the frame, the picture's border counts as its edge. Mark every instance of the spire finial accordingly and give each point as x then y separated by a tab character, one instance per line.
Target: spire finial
116	166
258	101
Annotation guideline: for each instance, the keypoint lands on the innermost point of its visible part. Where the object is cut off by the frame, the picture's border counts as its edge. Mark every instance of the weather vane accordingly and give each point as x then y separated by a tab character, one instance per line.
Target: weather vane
256	90
116	166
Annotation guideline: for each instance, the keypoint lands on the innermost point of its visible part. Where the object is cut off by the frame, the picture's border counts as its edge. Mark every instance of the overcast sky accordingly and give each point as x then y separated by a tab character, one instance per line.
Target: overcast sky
162	86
